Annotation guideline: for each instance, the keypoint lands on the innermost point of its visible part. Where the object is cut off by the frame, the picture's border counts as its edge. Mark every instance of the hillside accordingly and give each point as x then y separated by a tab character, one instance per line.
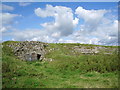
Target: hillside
60	65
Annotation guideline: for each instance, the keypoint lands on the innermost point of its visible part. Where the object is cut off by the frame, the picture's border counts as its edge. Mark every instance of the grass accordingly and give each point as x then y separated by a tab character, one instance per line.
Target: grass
65	71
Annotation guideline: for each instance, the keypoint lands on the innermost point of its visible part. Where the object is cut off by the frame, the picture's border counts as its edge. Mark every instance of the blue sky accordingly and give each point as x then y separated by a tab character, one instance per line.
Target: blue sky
73	22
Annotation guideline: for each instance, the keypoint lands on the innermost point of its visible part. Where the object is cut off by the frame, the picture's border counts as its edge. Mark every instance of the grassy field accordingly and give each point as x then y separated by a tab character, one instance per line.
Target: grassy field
66	70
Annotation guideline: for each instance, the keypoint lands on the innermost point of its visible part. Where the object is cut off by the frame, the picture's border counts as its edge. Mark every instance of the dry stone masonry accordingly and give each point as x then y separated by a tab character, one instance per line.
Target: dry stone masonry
35	50
94	49
29	50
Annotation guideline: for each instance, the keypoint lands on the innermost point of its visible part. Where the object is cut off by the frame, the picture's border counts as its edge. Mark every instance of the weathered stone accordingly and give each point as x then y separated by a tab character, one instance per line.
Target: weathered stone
28	50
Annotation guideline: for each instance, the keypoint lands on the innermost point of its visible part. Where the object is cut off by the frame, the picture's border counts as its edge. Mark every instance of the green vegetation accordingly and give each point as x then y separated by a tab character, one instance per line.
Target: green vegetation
67	70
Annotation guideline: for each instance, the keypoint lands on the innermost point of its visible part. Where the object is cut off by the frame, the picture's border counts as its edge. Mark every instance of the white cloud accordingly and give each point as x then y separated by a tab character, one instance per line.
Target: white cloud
66	41
92	18
6	7
96	28
63	23
56	34
5	28
31	34
7	21
24	4
105	34
7	18
75	21
90	15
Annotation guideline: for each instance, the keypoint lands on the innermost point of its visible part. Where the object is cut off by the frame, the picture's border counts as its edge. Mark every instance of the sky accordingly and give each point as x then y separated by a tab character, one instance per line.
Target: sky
60	22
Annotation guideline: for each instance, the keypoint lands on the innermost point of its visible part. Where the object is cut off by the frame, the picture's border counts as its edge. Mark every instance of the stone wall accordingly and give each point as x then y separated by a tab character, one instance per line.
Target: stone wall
94	49
29	50
35	50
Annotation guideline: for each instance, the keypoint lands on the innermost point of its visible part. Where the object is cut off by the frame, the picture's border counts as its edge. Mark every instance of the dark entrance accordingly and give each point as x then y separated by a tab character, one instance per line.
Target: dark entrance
38	56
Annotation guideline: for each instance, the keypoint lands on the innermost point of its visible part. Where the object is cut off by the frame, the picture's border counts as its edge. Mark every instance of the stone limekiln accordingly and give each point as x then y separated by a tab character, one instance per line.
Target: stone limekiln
29	50
35	50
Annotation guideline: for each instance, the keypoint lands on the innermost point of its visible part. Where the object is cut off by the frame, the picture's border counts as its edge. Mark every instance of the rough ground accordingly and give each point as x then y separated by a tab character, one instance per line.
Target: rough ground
63	66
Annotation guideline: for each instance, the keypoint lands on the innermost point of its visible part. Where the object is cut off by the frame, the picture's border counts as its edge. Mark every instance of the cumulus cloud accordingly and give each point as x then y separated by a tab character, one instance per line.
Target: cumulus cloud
31	34
95	29
63	23
24	4
108	34
88	15
6	7
92	18
105	34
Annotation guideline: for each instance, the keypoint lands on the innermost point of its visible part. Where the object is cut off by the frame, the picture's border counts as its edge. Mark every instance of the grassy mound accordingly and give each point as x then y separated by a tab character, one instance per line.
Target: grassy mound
64	71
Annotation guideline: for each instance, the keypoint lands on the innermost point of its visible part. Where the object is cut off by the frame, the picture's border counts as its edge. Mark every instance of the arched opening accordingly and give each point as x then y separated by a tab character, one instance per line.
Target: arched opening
38	56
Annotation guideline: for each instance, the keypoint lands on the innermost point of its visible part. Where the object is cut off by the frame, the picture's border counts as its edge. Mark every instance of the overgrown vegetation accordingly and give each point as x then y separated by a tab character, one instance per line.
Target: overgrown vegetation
66	70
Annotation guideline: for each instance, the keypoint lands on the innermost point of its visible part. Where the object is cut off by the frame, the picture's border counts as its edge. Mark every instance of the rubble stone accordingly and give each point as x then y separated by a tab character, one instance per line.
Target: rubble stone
29	51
